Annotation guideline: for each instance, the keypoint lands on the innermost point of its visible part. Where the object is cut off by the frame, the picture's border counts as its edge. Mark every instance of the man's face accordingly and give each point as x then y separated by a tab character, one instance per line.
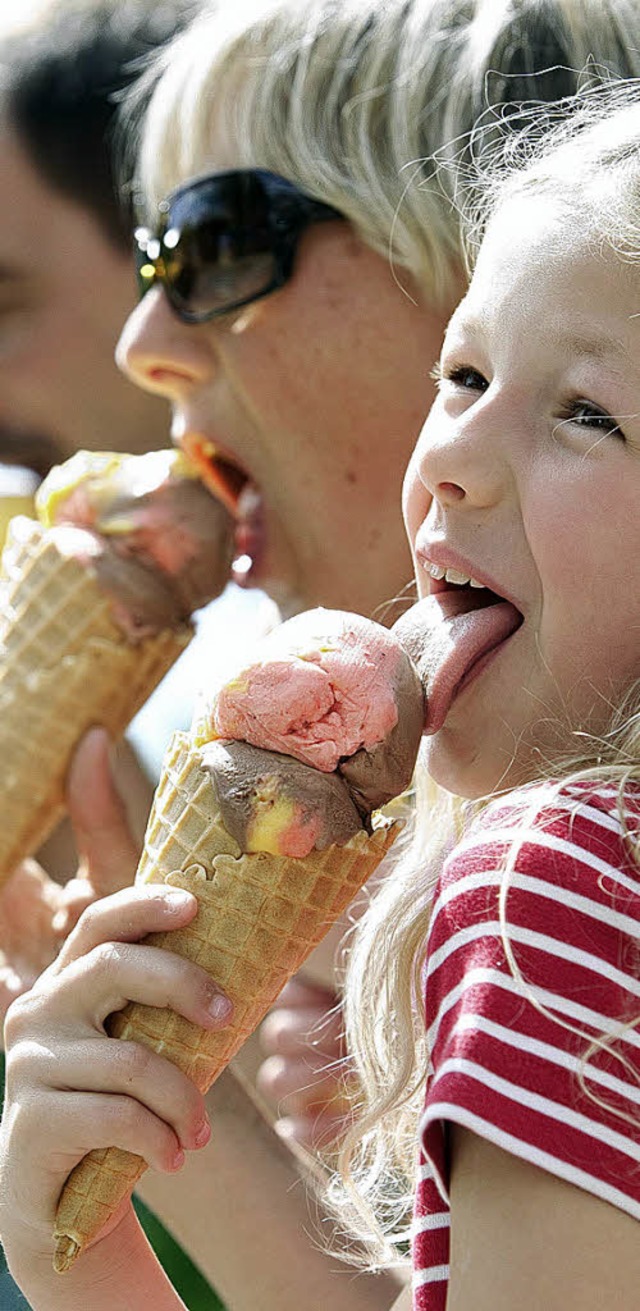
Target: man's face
65	292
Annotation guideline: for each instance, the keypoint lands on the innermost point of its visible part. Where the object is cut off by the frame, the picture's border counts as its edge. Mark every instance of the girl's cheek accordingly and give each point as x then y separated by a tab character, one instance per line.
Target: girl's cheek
416	500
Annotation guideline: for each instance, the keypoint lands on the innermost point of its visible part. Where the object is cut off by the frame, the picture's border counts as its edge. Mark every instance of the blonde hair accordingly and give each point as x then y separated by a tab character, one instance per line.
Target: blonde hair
349	98
586	156
582	154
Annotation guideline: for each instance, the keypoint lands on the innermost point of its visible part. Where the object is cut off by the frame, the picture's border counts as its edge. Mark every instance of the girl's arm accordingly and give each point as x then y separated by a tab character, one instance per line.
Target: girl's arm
70	1088
521	1237
128	1279
243	1194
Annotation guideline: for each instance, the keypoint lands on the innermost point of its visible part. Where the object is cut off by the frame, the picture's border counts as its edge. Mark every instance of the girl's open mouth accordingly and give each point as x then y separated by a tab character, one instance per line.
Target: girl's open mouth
451	636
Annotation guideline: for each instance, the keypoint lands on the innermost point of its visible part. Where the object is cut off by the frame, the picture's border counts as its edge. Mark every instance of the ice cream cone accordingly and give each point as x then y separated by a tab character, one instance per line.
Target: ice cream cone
260	915
64	666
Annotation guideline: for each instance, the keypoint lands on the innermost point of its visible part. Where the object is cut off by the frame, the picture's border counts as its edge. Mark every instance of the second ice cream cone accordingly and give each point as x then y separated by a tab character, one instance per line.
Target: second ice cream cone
259	917
64	666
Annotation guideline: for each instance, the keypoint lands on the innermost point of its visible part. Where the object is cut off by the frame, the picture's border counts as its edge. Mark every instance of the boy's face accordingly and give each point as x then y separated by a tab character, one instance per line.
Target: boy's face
312	399
65	292
526	478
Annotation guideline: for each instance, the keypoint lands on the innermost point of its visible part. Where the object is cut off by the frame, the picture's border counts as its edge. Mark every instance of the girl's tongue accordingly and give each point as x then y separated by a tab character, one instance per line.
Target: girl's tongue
446	634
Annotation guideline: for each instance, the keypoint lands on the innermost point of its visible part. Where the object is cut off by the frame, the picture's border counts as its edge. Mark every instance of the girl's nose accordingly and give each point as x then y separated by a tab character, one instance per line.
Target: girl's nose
161	353
462	461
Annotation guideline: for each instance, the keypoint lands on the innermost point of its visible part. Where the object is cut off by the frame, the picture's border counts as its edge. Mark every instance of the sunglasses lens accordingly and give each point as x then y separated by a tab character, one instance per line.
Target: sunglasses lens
225	241
217	246
204	284
145	268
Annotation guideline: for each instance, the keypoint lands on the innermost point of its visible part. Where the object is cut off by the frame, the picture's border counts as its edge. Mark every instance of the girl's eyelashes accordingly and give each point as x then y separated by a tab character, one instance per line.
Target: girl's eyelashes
459	375
577	411
584	414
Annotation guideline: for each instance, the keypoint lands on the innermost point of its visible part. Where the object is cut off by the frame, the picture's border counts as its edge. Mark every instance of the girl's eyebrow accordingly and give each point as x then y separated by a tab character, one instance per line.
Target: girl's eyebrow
471	323
595	347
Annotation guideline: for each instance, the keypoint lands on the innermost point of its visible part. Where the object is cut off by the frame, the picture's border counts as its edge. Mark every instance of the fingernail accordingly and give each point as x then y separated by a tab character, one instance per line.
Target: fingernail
203	1135
220	1009
178	1160
177	900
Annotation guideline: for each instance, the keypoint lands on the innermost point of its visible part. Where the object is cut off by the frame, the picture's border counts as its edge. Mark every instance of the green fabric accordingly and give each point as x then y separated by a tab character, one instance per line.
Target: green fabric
186	1279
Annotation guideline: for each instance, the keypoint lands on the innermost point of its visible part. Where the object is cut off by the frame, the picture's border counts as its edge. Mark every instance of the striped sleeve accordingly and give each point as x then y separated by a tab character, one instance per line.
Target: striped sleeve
532	995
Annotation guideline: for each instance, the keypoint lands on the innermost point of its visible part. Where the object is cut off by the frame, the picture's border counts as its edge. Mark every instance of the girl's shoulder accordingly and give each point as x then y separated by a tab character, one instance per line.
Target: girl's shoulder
584	810
563	832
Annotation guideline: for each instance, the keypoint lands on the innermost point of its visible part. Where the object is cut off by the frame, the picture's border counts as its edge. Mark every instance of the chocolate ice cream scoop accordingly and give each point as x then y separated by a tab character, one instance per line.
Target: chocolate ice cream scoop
377	775
269	802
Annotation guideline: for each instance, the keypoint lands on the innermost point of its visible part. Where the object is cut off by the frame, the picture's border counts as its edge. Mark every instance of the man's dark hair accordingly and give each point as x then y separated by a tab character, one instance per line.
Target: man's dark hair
61	81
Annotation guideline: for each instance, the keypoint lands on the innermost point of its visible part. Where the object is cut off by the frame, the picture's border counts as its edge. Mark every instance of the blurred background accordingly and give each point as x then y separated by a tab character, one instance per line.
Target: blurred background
223	630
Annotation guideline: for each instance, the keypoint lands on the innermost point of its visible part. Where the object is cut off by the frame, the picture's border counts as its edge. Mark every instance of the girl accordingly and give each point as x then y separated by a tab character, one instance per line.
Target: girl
313	394
520	508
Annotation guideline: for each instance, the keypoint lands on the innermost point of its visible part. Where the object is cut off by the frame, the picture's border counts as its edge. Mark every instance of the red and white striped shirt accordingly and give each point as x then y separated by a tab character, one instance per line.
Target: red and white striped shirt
507	1051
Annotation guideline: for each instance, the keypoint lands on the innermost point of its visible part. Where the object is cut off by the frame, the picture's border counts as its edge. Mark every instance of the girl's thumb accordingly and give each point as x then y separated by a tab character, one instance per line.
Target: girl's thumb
107	851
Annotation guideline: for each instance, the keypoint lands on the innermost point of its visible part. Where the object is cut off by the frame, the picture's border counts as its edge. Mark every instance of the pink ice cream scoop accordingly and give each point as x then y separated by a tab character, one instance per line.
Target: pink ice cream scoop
324	687
160	544
337	693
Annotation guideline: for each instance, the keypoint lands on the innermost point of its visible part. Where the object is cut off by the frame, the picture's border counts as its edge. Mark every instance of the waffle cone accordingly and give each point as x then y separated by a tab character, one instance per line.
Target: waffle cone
259	917
64	666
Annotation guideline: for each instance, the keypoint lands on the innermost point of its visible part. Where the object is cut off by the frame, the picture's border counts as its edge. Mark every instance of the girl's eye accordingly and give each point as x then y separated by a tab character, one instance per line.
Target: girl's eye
586	415
460	375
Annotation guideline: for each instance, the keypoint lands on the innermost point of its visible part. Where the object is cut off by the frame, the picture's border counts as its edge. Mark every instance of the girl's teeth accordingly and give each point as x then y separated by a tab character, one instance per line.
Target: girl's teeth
453	576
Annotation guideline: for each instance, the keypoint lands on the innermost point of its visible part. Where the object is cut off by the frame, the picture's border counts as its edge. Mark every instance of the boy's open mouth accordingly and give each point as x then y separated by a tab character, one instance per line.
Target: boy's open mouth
231	484
222	476
451	635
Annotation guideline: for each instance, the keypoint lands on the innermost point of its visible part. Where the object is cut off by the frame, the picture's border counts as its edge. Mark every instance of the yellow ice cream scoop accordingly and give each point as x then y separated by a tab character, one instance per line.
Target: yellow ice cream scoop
17	489
104	478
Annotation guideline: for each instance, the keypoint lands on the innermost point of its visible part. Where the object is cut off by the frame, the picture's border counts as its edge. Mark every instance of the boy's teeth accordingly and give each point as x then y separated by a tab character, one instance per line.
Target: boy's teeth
453	576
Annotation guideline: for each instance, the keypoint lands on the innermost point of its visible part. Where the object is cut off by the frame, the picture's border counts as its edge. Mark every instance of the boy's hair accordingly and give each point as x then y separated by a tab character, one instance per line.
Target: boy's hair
60	82
347	97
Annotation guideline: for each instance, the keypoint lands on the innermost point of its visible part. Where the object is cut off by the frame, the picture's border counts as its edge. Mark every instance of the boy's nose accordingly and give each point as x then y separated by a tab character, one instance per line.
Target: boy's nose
162	354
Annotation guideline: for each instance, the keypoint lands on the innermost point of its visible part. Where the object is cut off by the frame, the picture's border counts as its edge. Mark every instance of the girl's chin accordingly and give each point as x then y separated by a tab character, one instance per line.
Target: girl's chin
468	772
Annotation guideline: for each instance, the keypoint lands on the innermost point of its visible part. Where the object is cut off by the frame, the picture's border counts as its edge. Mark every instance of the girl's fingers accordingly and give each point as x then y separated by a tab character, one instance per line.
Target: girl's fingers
77	894
108	853
84	1121
301	992
118	1069
318	1132
288	1031
127	916
115	973
295	1089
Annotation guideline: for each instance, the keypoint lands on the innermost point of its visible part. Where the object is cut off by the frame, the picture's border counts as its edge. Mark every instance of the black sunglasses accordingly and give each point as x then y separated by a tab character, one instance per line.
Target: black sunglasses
225	241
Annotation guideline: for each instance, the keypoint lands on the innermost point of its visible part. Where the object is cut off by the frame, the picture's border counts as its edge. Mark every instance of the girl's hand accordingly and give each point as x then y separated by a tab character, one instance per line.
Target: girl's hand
36	913
30	903
71	1088
303	1077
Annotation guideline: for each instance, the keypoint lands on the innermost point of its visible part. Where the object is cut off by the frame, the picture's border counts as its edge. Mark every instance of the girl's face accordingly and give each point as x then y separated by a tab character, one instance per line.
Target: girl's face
313	397
526	478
